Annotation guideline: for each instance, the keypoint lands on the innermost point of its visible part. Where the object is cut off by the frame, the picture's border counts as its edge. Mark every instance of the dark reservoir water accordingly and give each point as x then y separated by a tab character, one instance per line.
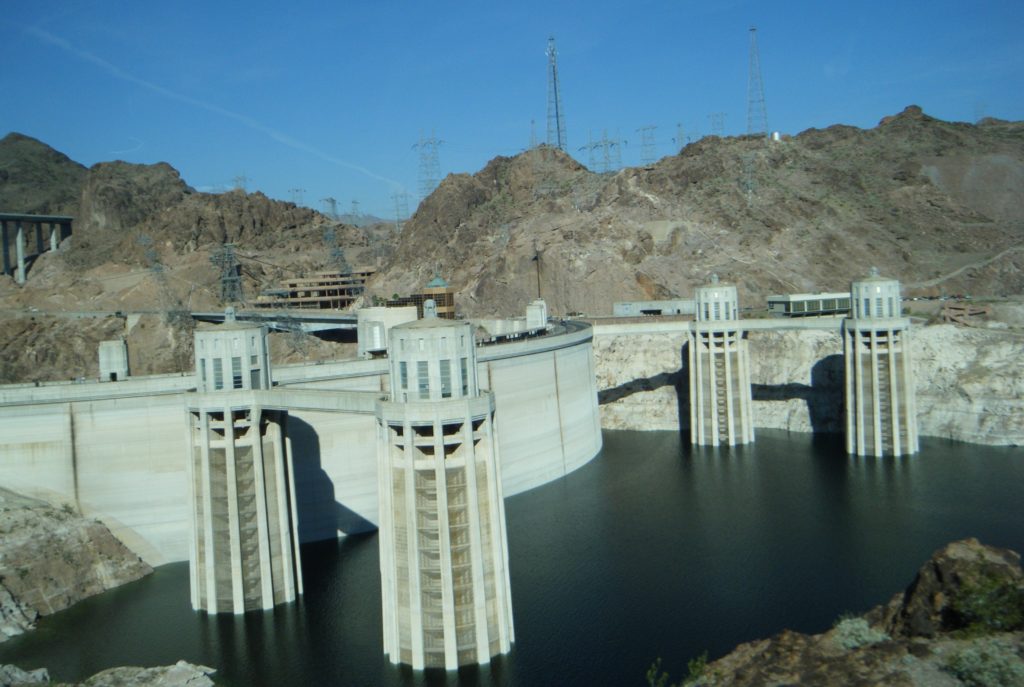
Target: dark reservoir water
653	549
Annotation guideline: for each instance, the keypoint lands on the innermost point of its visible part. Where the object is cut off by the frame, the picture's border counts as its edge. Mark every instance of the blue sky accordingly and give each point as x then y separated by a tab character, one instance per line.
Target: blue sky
332	97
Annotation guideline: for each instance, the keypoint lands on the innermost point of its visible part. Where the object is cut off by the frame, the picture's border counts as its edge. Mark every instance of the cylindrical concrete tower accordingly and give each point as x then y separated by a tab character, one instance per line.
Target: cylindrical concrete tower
720	398
244	551
445	589
881	410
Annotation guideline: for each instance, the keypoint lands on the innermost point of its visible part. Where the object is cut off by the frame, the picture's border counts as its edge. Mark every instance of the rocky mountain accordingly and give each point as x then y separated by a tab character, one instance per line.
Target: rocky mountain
933	203
960	622
36	179
51	558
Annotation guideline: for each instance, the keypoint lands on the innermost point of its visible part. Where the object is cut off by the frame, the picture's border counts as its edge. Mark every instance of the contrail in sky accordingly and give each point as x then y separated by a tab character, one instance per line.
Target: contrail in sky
278	136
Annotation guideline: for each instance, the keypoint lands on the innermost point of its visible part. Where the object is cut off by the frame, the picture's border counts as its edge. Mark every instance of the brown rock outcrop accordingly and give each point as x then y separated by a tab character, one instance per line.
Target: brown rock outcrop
50	558
913	641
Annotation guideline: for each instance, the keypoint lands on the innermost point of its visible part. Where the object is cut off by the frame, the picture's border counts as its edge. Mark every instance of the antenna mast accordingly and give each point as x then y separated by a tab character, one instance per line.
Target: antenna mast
556	116
757	115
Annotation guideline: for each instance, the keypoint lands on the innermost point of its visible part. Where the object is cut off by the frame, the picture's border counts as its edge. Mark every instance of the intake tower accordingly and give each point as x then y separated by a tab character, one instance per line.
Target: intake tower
244	547
881	412
443	548
720	398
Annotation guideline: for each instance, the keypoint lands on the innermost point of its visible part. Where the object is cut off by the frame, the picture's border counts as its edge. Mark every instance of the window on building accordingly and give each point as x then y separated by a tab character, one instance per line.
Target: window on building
866	312
403	374
891	313
465	376
878	307
254	378
218	374
236	372
718	310
446	378
422	378
202	370
253	359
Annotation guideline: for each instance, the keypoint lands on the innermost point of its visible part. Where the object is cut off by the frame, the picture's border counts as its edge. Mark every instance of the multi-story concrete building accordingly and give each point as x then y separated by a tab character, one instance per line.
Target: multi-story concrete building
881	413
244	545
720	398
445	589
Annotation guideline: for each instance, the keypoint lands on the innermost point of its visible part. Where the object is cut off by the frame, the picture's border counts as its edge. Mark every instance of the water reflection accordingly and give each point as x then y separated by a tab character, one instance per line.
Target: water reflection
656	548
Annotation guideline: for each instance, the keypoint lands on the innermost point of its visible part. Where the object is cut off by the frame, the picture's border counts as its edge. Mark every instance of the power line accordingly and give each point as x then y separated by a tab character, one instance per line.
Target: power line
604	154
717	123
647	152
230	278
556	115
330	207
757	114
430	165
401	200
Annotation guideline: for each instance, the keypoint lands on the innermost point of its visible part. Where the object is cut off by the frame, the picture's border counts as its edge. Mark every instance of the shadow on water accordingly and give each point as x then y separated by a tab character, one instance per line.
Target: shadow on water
320	515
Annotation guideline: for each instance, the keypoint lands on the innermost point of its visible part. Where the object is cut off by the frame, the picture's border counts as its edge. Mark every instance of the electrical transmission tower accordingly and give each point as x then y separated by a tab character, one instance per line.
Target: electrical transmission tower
556	116
296	195
717	123
330	207
355	210
338	261
430	166
240	181
605	154
401	208
648	154
230	278
757	115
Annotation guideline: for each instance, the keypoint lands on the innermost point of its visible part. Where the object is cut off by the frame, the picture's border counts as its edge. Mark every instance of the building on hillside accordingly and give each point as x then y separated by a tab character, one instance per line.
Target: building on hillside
436	290
679	306
809	304
324	291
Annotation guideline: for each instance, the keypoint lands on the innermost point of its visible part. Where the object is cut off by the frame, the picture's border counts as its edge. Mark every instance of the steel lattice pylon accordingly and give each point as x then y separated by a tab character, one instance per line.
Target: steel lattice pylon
757	114
556	116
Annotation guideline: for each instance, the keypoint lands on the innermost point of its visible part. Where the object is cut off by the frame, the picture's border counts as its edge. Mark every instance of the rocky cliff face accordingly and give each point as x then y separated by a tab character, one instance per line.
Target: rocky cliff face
917	197
970	385
181	674
961	621
51	558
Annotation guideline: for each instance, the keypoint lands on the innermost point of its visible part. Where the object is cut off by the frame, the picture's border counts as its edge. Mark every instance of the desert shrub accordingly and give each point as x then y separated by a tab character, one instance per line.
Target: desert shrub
990	603
987	663
854	632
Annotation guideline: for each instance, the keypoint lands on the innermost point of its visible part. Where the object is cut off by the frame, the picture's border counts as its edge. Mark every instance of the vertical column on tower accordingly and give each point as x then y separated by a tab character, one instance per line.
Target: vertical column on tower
445	592
244	552
881	408
721	405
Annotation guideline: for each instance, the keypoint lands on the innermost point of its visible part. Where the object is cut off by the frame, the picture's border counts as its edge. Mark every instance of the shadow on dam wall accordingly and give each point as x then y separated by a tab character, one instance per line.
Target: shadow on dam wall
678	380
824	395
320	515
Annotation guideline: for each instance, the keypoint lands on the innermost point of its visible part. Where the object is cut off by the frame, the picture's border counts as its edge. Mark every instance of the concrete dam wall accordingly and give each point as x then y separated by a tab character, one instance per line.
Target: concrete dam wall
969	382
118	450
